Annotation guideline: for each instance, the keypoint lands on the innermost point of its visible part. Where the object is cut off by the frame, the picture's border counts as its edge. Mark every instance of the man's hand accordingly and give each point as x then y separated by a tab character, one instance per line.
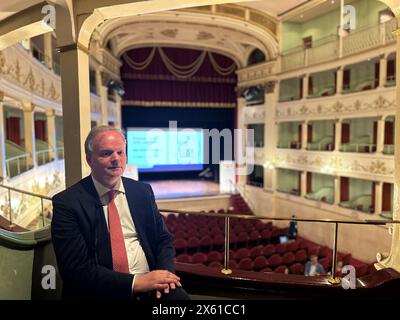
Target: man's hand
160	280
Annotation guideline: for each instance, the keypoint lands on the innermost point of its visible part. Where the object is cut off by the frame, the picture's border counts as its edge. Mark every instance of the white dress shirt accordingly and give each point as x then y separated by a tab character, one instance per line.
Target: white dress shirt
136	258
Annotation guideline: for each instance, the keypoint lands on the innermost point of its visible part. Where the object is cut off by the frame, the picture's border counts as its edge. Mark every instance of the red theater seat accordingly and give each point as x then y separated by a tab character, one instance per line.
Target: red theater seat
288	258
269	250
281	269
184	258
274	260
260	262
241	254
301	256
246	264
199	257
256	251
214	256
297	268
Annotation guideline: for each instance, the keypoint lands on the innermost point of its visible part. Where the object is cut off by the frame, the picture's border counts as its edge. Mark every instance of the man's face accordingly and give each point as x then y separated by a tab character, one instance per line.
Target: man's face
314	260
108	159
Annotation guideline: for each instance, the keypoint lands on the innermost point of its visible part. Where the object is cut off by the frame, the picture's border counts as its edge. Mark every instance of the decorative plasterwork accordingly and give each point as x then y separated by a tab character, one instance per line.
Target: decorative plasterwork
238	12
256	74
110	64
362	103
222	33
254	114
361	166
19	67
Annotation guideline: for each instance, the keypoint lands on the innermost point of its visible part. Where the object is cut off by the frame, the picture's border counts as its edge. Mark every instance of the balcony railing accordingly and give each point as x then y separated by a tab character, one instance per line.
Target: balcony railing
16	165
44	212
355	42
43	156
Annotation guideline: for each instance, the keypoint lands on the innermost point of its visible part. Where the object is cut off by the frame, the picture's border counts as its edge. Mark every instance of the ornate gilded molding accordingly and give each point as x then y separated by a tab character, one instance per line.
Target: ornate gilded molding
257	74
254	114
17	66
358	165
347	105
249	15
177	104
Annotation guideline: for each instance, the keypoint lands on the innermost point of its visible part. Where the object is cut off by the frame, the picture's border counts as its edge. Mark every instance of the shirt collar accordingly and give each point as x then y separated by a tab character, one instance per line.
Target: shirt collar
102	190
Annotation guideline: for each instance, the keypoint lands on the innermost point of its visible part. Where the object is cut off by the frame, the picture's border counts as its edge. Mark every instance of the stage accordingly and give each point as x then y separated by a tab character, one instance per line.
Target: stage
167	189
191	195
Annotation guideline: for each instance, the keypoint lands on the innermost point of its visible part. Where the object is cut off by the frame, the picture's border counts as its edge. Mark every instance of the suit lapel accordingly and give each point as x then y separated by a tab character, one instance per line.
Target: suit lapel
94	210
137	210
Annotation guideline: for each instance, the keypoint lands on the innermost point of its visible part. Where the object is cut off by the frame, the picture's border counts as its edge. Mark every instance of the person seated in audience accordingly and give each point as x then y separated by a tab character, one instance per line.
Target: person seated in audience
292	234
313	267
339	266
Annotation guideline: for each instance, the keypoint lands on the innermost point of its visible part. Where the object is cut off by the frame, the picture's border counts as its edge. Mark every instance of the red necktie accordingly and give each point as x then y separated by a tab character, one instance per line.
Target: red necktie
119	256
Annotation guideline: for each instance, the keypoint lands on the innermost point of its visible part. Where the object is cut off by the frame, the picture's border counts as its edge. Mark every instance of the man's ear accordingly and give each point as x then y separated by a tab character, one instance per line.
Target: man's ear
88	160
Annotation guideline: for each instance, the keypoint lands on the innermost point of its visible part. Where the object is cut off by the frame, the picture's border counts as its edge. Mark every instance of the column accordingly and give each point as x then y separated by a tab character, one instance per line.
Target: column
102	92
305	86
48	50
51	132
270	136
378	197
118	111
341	31
338	134
382	71
339	80
76	110
336	200
304	135
380	139
240	144
29	133
303	183
3	168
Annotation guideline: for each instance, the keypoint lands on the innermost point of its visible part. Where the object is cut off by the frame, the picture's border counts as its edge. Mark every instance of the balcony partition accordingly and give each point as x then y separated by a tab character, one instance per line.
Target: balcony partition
290	135
357	194
359	135
320	187
321	135
289	181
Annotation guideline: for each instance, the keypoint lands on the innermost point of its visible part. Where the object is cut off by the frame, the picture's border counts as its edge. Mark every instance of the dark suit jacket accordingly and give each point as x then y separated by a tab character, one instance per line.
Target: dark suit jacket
82	244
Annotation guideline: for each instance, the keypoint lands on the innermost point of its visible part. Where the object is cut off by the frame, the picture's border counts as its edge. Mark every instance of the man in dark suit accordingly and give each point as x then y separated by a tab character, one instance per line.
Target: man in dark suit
108	235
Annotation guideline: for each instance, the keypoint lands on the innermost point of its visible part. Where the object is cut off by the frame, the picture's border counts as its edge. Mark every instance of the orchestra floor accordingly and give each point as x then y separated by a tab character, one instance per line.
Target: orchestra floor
169	189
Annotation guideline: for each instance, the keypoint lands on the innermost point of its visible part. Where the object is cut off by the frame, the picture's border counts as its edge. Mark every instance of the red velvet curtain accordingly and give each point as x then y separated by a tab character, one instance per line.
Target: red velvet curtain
299	133
389	138
309	133
13	129
387	197
344	189
40	130
345	132
309	182
156	83
372	209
